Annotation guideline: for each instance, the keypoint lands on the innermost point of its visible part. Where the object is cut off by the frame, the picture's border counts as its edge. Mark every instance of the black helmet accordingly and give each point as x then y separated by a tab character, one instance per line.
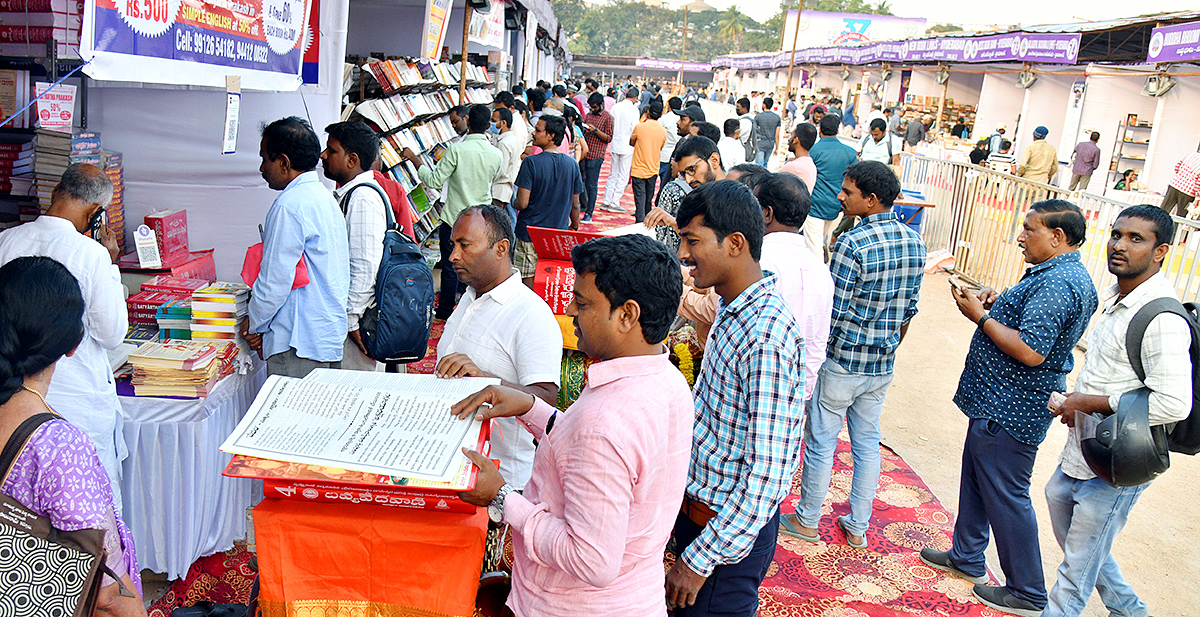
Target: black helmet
1124	450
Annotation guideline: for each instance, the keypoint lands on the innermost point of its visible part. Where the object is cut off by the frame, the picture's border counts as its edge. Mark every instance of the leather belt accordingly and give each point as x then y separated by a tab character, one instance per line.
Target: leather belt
699	513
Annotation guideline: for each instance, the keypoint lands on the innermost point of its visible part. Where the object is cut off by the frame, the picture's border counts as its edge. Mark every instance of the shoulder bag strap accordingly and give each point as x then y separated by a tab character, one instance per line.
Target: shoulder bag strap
1137	329
387	207
18	439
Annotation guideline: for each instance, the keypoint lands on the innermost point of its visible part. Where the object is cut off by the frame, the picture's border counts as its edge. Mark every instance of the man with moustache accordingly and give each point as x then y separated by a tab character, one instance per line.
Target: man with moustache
500	328
1021	352
699	161
609	473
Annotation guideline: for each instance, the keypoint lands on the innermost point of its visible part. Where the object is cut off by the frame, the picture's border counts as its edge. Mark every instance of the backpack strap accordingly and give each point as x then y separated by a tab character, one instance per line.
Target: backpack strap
344	203
18	439
1137	329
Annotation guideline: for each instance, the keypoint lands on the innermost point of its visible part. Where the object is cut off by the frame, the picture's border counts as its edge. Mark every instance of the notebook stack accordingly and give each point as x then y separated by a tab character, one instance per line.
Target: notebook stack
175	320
217	309
180	368
114	167
51	156
143	306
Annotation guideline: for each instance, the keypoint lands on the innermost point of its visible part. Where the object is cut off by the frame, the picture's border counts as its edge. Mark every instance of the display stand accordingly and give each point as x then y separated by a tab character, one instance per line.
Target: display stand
1135	136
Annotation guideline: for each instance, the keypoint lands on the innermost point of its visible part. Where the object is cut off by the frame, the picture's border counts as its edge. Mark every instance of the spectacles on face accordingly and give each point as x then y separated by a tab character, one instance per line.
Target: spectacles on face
690	170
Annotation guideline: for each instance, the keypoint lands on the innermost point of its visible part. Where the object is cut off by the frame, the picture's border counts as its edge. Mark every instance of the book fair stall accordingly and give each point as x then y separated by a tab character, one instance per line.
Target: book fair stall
1128	79
168	98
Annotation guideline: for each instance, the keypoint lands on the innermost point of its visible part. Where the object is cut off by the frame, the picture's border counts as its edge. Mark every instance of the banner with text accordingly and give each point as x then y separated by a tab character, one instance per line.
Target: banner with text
1178	43
1011	47
197	42
824	28
672	65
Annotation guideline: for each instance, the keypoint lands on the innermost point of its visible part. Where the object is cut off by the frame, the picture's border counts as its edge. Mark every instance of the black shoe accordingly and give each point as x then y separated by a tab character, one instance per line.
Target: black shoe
1001	599
940	560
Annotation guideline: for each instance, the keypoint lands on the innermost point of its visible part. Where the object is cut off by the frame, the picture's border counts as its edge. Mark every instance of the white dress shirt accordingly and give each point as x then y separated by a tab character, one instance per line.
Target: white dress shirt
732	152
669	121
508	332
1107	372
625	117
804	281
83	390
511	146
366	224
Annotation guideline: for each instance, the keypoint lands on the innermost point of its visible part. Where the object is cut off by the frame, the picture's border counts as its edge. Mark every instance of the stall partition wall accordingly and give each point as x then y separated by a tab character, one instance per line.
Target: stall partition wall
171	138
1000	101
1111	96
1045	104
1176	130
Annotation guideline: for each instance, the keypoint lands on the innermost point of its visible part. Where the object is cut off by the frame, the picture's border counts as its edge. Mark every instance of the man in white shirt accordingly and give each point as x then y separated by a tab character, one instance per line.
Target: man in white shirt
524	133
625	117
877	112
730	146
350	151
879	145
1086	512
510	145
500	328
83	390
746	126
669	121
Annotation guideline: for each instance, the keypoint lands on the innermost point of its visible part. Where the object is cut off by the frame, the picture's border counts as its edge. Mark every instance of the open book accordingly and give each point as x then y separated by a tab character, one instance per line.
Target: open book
379	423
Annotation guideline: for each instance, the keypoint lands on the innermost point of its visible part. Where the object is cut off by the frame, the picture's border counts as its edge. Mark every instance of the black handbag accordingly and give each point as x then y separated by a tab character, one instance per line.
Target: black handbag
44	571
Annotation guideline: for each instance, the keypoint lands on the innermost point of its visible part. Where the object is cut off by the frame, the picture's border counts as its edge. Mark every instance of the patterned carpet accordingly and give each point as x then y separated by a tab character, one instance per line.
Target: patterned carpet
223	578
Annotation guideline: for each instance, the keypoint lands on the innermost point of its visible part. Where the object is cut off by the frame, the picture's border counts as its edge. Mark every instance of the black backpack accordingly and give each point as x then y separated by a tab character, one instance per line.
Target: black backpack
395	327
1184	436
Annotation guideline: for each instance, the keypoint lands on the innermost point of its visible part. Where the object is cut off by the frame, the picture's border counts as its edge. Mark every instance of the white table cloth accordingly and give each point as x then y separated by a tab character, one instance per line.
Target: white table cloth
177	504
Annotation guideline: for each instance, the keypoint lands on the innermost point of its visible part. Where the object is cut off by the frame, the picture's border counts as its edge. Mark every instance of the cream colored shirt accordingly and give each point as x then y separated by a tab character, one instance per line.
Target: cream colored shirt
1038	162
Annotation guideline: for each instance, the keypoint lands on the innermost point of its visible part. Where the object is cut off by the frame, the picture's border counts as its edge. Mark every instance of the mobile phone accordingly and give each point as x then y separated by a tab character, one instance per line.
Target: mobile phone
959	284
98	220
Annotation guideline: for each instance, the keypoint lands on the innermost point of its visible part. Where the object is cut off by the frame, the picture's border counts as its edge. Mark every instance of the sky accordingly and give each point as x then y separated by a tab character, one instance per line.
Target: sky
980	13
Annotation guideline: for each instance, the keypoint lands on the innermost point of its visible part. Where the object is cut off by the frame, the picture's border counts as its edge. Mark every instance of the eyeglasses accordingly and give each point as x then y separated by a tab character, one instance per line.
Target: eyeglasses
690	170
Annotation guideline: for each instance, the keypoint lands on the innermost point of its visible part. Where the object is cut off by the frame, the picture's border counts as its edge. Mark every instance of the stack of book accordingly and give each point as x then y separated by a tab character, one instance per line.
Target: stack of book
138	334
174	284
15	88
217	309
51	157
16	159
143	306
175	320
115	168
180	368
27	25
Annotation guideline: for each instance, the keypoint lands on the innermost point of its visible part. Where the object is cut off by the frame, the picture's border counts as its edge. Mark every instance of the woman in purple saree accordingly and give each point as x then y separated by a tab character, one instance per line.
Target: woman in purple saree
58	474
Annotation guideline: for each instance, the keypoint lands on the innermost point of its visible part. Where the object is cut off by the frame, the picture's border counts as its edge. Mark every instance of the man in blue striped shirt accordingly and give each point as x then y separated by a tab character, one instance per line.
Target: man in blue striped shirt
749	398
877	268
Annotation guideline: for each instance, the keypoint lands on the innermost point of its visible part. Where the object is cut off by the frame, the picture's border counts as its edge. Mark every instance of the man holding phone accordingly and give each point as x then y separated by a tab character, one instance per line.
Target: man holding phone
1020	354
82	389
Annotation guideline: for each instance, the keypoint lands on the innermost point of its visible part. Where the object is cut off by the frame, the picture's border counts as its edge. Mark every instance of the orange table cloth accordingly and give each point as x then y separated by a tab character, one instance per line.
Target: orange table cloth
341	560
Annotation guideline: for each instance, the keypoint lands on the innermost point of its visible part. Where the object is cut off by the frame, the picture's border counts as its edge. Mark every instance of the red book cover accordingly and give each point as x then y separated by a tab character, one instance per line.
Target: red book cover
149	301
170	232
380	495
174	284
554	280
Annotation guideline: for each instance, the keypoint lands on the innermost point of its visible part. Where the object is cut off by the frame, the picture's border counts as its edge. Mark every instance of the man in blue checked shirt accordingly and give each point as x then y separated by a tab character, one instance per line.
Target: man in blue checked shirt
877	268
749	398
1018	356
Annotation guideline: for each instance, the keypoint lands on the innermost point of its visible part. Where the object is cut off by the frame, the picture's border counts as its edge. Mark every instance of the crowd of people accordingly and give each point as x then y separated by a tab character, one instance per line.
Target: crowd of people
800	320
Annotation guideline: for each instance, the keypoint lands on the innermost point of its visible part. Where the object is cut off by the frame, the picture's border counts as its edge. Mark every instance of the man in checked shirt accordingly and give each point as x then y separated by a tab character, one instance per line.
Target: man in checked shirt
749	398
877	269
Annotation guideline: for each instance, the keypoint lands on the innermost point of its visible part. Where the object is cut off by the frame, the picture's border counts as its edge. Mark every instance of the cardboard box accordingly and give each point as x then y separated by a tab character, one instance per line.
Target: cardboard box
554	280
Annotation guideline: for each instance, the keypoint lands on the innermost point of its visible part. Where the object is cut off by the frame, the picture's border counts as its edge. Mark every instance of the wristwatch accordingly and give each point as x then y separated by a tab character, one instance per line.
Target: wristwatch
496	508
983	320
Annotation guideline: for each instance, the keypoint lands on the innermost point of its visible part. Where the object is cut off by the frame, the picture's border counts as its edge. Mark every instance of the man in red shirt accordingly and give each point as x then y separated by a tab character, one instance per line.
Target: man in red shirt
1184	187
597	132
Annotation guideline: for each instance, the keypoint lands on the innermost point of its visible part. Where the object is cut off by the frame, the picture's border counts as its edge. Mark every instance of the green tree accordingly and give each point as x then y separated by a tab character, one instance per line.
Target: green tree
732	25
943	28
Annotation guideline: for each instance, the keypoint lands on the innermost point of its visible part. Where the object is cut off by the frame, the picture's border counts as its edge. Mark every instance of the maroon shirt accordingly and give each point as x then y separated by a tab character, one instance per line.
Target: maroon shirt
603	121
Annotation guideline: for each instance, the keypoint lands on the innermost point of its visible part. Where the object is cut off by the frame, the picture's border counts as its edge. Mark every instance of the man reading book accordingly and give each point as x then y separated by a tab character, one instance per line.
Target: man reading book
609	474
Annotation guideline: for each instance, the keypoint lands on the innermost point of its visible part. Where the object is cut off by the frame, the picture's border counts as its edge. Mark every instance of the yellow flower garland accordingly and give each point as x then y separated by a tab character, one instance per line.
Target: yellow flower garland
686	366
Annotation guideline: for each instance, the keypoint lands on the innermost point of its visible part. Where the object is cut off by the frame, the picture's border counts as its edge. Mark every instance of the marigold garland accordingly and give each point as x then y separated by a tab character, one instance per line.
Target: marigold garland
686	366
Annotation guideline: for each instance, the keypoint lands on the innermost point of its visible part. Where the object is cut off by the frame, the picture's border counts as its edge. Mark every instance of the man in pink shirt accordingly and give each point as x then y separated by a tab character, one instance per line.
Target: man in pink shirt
802	166
609	475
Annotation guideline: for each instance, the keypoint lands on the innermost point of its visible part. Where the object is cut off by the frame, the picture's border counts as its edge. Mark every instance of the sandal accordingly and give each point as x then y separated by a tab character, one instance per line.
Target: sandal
841	521
788	529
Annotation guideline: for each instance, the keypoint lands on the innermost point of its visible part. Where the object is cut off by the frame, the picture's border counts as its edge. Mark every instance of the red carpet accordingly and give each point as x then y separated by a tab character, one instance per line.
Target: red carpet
223	578
601	220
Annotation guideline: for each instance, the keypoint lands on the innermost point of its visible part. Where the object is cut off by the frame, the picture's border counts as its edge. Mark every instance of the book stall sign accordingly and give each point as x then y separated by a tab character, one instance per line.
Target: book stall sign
488	28
197	42
1178	43
437	20
826	28
56	108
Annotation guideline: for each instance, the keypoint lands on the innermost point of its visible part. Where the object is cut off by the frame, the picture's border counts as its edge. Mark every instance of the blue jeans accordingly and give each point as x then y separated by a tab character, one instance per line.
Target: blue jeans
764	156
590	168
732	589
993	493
1087	515
841	396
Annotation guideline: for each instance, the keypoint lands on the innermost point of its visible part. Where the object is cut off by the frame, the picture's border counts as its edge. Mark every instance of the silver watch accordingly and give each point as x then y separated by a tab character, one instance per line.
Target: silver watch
496	508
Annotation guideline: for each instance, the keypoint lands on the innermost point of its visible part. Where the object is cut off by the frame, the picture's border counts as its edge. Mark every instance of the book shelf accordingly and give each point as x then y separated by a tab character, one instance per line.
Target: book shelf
407	101
1131	146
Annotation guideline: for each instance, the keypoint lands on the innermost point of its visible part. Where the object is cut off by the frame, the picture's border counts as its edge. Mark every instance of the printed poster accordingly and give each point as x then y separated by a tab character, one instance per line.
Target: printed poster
437	20
488	28
197	42
56	109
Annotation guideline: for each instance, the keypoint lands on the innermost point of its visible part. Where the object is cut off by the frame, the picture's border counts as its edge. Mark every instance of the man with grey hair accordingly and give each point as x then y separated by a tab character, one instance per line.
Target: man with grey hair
74	233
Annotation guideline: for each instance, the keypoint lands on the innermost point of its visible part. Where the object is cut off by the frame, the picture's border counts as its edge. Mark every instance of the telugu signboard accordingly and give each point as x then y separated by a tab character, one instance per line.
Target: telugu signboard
819	28
1010	47
196	42
1178	43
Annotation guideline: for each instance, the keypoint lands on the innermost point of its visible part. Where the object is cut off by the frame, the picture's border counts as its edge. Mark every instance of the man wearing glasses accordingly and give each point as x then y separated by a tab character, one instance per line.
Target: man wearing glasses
698	162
